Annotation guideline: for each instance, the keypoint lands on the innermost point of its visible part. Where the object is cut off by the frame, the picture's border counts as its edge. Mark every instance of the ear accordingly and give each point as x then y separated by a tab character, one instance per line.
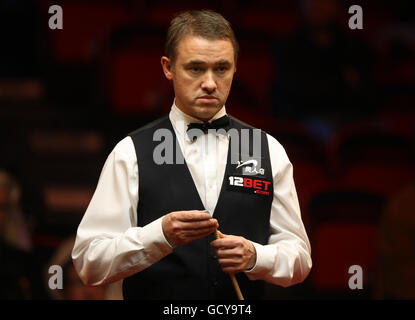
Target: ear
167	67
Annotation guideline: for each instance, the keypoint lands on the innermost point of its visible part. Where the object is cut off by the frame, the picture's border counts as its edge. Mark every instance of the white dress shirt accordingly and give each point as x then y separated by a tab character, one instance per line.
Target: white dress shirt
109	246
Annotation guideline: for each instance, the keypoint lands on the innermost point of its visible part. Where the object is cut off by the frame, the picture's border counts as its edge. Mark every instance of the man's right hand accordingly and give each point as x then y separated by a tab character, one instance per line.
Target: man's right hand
181	227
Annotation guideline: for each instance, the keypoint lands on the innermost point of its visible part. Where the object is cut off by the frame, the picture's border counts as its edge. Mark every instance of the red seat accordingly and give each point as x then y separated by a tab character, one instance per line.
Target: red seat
343	233
310	179
273	22
137	83
160	13
399	114
255	70
338	246
380	178
373	158
85	26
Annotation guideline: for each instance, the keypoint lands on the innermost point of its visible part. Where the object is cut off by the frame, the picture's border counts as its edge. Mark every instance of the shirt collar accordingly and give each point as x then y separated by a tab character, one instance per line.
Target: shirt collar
180	120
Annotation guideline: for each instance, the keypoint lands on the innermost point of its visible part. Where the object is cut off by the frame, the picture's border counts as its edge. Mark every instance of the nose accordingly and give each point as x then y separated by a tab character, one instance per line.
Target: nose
208	83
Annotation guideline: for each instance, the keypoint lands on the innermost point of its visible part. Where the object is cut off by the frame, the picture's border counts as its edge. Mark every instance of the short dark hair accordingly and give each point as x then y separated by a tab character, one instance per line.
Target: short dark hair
203	23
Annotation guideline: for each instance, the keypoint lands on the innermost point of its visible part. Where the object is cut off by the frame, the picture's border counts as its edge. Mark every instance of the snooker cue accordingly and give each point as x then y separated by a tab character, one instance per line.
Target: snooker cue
234	281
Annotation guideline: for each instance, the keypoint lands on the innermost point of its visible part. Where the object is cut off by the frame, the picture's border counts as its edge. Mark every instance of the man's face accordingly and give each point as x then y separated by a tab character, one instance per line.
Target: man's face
202	75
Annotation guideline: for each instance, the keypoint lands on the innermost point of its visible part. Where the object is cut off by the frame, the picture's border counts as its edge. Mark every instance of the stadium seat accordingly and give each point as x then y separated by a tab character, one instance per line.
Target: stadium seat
372	158
344	226
86	25
136	82
66	164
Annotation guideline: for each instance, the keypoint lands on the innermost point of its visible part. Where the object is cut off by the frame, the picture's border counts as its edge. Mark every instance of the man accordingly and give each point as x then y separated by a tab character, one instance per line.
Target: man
152	224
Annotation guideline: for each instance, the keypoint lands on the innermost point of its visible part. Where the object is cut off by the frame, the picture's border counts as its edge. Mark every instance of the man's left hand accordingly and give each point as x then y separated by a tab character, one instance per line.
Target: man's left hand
235	254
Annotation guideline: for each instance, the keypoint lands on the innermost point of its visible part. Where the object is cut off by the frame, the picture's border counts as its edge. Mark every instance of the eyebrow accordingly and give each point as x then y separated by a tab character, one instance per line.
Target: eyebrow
224	63
198	62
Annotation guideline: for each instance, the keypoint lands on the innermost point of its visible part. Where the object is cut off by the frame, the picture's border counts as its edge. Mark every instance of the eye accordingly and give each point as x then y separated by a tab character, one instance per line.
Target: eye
221	69
195	69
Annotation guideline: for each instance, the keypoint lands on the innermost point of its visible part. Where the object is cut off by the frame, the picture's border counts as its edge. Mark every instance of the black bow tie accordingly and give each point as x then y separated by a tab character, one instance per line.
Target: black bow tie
222	122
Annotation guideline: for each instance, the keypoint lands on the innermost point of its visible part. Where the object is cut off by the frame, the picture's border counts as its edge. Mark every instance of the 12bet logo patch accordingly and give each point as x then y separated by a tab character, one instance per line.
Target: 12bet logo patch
248	184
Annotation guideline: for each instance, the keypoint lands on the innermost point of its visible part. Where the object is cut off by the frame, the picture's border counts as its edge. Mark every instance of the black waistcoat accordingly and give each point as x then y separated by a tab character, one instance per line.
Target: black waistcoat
192	270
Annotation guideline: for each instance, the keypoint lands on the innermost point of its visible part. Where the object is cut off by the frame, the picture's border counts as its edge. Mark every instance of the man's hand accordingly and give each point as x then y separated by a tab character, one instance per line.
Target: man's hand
181	227
235	254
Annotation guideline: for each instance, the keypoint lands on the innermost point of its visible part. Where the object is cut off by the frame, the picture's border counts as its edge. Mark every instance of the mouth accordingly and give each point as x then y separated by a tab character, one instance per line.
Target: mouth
208	97
208	100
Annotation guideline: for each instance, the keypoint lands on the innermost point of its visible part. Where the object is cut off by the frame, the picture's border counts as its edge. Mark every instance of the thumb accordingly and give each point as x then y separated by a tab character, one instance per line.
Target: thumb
219	234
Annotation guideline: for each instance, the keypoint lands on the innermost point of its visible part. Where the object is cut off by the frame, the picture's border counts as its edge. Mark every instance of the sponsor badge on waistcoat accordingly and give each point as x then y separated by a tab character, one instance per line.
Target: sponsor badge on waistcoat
247	176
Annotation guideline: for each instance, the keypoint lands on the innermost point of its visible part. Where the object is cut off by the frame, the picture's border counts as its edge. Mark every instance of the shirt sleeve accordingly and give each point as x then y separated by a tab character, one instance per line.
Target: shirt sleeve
109	246
286	259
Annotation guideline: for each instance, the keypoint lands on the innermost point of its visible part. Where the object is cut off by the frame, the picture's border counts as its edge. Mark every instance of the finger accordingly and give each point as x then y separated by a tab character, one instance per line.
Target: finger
231	266
236	253
233	270
229	263
199	235
199	232
181	237
227	243
193	215
196	225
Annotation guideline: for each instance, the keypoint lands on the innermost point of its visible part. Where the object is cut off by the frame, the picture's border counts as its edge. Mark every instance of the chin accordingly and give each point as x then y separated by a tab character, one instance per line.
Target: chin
206	112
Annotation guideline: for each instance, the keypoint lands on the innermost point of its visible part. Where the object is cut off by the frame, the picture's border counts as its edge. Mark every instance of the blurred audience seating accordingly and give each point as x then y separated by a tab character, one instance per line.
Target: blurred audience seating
254	71
344	233
67	162
137	83
395	271
86	24
373	158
